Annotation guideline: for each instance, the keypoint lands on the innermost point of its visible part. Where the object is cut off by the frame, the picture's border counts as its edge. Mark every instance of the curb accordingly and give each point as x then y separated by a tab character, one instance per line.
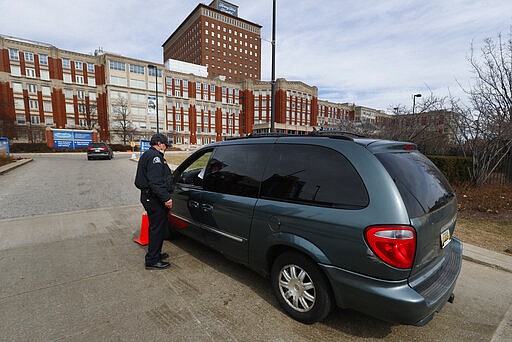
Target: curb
11	166
486	257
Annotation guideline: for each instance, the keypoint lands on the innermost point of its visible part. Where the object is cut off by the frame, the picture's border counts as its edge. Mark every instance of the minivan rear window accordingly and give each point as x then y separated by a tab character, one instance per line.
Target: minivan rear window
422	186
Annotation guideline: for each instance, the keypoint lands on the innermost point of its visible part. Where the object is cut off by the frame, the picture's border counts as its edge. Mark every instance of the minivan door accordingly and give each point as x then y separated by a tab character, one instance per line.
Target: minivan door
231	183
186	213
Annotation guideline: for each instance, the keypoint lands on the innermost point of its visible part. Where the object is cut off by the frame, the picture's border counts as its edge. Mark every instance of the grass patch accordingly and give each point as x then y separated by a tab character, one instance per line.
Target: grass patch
492	235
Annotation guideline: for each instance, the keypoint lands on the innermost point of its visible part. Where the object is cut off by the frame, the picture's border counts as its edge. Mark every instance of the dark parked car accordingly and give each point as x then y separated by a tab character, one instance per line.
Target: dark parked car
331	218
99	150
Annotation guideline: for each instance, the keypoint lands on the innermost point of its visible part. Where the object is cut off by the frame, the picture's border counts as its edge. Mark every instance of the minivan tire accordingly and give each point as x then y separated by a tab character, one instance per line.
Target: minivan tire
301	288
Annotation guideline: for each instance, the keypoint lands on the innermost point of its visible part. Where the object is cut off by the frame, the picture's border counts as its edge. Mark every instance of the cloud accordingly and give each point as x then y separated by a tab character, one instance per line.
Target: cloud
370	52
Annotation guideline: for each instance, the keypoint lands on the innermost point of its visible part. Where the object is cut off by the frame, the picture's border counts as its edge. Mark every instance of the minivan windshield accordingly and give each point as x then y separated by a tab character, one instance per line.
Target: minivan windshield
422	186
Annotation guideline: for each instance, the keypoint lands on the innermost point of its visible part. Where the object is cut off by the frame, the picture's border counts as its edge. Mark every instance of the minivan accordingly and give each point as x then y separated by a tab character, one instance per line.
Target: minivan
333	219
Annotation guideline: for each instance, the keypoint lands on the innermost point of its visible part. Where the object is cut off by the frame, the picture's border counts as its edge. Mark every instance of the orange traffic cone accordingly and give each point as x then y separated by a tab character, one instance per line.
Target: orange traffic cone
143	238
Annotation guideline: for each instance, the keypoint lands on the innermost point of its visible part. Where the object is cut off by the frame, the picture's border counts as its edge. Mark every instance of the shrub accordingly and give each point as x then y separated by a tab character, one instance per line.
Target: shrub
30	147
455	169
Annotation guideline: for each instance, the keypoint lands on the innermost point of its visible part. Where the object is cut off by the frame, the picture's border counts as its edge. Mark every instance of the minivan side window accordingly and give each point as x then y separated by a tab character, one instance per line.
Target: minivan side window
236	170
193	174
313	175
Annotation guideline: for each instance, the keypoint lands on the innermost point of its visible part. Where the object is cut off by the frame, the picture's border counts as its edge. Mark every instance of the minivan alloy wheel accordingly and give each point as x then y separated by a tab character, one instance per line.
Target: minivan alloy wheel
301	288
297	288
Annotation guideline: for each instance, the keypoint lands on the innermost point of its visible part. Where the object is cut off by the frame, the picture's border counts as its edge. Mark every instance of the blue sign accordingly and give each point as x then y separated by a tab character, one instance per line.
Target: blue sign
71	139
227	8
62	135
63	143
4	146
83	136
144	146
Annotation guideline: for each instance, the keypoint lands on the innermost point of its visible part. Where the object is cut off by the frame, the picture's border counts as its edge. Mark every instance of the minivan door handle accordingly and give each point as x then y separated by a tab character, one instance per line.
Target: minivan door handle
193	204
207	208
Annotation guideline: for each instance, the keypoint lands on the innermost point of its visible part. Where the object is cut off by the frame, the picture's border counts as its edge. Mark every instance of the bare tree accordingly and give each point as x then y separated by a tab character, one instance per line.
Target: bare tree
122	124
485	128
426	127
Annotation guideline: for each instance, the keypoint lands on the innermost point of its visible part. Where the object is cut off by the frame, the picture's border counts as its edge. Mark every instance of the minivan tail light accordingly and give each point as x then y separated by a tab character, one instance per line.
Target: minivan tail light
393	244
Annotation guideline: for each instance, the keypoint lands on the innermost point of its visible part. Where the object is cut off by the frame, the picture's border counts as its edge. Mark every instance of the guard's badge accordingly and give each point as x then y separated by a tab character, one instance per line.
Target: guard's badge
157	160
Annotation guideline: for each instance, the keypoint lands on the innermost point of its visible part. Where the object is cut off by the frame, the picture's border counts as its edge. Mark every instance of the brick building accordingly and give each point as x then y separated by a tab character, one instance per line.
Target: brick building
43	86
214	36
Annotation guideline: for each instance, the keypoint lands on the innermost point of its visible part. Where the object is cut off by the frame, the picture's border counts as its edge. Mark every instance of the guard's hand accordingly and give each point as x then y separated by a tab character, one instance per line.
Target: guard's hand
168	204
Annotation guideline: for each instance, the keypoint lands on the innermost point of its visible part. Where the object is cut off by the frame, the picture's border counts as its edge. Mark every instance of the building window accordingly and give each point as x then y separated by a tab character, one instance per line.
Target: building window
79	65
17	87
48	120
137	69
66	63
20	119
46	91
32	89
19	104
47	106
43	59
90	67
151	72
33	104
79	79
115	65
45	75
67	78
14	54
34	119
91	81
30	72
80	94
29	57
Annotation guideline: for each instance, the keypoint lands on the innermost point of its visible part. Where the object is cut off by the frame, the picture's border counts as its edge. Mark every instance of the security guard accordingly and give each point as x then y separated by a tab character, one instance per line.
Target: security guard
154	179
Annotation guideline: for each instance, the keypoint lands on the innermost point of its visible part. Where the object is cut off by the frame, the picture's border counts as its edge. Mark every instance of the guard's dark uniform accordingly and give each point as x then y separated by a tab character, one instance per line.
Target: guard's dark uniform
154	179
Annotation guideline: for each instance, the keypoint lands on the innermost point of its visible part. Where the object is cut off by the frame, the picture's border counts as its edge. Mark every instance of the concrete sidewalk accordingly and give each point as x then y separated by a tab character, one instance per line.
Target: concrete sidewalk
78	276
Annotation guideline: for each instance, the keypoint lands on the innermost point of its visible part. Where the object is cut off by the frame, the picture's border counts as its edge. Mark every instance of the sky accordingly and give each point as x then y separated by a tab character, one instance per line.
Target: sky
374	53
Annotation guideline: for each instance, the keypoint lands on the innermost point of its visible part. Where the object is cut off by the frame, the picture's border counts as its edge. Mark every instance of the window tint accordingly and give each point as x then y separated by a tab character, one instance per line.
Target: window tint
236	170
98	145
422	186
313	175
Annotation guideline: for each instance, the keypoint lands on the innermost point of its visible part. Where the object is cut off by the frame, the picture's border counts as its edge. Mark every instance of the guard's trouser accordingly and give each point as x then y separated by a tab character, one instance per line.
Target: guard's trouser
158	226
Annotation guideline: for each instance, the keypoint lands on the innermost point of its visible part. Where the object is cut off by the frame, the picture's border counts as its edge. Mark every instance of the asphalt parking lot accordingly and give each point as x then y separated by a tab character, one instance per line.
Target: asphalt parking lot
79	276
71	272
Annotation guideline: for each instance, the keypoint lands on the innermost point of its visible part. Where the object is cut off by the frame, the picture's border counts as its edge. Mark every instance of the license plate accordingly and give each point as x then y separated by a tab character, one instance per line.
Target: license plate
445	238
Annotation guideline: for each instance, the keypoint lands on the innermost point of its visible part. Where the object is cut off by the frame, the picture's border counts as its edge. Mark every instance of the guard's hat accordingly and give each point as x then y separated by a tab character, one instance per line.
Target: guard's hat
159	137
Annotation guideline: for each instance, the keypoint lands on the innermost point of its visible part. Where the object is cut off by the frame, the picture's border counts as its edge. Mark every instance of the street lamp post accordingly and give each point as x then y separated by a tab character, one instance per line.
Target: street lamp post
27	106
151	66
414	101
273	82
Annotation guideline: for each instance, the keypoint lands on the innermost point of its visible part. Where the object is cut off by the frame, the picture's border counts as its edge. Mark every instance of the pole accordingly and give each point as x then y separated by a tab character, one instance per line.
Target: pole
273	82
414	96
156	93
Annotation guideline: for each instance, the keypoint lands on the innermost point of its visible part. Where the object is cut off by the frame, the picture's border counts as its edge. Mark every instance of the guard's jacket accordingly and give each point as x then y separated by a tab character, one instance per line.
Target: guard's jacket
154	177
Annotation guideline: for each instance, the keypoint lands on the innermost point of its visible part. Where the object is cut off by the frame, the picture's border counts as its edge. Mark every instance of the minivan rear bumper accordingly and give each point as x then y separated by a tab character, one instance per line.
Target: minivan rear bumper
397	301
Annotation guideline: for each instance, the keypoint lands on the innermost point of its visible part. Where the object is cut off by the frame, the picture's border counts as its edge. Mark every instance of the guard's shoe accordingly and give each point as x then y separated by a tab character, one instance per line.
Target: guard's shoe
161	265
164	256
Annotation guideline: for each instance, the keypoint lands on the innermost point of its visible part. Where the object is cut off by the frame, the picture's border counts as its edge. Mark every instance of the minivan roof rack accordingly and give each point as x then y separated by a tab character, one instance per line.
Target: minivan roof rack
336	133
324	134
